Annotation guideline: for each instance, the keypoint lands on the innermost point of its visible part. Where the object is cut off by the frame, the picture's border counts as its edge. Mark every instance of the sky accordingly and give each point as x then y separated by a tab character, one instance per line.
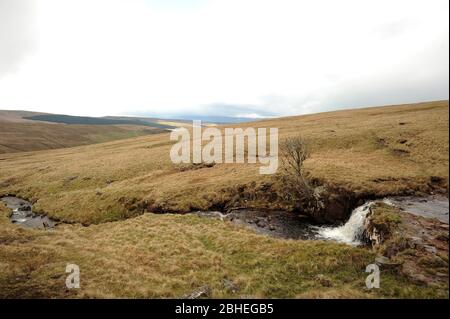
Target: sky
240	58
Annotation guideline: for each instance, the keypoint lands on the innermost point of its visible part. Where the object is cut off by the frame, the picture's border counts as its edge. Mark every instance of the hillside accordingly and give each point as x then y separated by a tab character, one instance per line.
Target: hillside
172	255
22	131
363	153
24	137
86	120
16	116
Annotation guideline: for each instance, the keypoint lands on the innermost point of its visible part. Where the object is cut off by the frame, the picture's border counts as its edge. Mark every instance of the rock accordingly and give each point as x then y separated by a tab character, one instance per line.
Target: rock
261	222
386	262
400	152
402	141
25	208
323	280
442	237
203	291
272	227
417	241
330	206
230	286
430	249
381	260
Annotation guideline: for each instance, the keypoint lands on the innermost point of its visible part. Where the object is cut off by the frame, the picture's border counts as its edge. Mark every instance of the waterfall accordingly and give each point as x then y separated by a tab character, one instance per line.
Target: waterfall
351	232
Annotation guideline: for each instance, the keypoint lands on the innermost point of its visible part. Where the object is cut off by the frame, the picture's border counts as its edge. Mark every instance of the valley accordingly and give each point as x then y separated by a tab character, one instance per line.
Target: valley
127	215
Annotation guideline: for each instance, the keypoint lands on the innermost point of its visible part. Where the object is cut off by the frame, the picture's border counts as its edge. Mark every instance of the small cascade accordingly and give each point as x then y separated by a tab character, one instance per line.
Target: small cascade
351	232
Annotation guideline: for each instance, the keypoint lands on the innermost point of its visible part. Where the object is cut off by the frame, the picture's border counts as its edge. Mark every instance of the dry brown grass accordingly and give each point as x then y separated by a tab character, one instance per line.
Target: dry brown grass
166	256
353	149
171	255
32	136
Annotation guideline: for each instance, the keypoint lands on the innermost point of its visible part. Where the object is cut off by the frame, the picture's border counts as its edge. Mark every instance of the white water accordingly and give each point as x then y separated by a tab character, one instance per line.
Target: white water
351	232
215	214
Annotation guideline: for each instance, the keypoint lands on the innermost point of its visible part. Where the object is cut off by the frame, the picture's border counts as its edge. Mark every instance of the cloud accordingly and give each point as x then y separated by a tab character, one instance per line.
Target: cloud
222	57
17	38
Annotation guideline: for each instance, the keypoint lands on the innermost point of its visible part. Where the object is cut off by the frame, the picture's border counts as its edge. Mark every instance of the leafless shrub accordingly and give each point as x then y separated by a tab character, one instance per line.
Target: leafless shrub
296	188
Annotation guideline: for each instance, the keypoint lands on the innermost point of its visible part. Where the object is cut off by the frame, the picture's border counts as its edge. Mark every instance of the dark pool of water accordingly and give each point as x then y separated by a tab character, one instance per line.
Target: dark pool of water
288	225
279	224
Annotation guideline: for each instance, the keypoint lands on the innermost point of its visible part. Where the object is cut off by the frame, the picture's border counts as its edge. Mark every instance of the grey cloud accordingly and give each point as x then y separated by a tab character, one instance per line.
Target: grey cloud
212	110
17	38
421	79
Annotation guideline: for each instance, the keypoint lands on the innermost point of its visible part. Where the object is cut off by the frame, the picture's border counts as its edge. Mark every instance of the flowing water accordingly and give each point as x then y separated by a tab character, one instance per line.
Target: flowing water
289	225
351	232
429	207
22	214
279	224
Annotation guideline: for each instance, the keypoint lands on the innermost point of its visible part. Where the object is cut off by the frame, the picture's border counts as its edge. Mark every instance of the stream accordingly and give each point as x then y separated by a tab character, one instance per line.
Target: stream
435	206
22	214
292	226
280	224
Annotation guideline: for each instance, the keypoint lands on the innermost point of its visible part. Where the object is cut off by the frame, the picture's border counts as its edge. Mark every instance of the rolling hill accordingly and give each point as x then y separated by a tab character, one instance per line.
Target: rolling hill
363	153
110	198
22	131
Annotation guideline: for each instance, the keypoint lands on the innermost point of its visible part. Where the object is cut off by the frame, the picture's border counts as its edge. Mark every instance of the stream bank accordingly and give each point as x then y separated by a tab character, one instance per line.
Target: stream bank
275	223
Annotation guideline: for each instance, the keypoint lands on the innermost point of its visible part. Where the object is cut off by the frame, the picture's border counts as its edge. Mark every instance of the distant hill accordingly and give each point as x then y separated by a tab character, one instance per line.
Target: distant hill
22	131
85	120
16	116
36	136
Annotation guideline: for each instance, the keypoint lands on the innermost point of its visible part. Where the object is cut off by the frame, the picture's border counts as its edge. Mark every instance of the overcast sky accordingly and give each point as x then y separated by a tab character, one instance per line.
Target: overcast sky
220	57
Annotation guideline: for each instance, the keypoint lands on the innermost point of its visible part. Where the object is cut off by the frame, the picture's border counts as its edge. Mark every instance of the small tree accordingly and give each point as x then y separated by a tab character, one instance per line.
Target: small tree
294	151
